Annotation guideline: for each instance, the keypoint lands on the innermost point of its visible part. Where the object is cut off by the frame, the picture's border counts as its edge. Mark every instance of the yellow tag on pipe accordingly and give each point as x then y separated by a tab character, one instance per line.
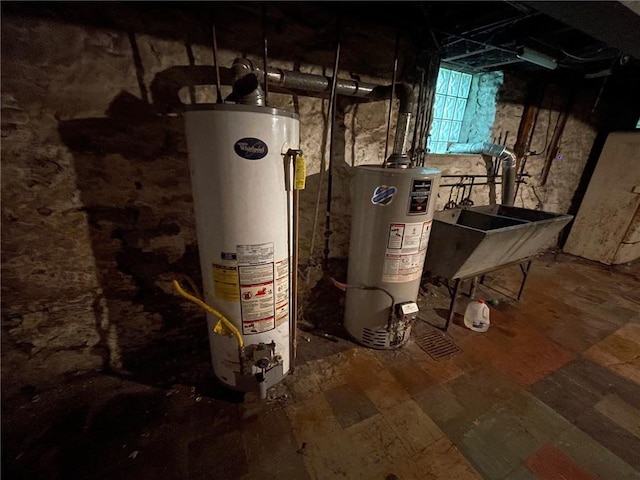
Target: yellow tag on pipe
301	173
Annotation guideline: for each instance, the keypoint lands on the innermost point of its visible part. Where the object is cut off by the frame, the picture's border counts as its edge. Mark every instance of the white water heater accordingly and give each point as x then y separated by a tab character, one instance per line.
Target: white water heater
392	214
240	174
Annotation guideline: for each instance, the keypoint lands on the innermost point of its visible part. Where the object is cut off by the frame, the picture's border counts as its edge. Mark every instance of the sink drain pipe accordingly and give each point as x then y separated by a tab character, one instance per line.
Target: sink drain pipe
504	154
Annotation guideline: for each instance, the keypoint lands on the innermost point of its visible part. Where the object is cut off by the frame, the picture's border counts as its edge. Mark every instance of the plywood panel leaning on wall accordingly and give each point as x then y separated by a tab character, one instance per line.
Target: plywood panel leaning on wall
604	224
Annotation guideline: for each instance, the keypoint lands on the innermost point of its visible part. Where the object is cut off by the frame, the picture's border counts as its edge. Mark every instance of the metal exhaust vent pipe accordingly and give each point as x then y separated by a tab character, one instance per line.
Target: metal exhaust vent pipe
307	82
245	78
246	86
404	92
504	154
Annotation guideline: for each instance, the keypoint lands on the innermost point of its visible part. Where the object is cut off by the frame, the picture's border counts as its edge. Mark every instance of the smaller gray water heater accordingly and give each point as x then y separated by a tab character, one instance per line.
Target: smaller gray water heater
392	215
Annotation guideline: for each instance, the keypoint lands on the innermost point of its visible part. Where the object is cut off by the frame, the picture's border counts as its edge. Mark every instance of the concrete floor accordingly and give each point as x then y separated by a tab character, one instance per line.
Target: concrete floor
551	391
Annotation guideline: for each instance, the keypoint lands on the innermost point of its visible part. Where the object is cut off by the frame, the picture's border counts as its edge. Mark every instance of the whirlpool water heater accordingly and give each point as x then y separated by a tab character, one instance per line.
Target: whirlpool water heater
240	173
392	213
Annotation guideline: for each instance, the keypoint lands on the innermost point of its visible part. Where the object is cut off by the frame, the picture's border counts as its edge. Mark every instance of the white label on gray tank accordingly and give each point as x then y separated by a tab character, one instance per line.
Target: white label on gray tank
406	250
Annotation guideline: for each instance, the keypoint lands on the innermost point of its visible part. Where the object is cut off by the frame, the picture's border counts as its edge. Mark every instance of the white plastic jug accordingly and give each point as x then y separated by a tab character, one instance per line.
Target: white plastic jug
476	316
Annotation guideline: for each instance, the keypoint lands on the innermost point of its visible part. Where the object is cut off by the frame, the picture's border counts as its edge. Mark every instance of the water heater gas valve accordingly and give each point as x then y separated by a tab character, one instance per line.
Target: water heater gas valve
407	311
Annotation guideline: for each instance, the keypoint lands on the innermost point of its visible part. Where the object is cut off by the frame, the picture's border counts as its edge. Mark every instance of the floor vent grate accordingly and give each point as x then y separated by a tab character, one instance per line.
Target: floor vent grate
436	345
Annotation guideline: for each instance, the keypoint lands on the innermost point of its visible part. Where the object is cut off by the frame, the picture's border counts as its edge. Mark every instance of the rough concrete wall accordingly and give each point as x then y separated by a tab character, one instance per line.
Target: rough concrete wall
96	200
567	167
480	113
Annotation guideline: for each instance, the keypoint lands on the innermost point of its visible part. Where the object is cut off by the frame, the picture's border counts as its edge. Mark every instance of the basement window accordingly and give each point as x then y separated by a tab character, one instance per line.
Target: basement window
449	105
464	108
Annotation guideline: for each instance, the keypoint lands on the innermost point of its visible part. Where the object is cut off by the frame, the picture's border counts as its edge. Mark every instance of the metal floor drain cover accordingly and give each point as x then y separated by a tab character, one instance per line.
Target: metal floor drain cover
436	345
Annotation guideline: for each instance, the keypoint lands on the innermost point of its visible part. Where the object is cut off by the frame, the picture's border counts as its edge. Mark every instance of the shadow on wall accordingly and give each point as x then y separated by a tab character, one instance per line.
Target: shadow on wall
133	177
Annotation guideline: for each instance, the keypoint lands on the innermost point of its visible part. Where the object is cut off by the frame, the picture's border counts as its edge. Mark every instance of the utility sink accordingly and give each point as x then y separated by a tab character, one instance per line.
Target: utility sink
470	241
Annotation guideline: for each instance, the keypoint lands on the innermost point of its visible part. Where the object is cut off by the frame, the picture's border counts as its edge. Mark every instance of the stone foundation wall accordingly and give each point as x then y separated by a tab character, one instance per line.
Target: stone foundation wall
97	212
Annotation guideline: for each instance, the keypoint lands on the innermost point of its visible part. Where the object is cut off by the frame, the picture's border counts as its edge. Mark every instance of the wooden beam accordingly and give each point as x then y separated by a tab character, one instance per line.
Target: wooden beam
527	122
557	135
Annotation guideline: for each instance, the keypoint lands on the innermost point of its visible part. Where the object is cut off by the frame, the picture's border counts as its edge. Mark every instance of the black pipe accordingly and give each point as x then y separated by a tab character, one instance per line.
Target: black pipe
419	114
216	66
332	106
393	88
264	57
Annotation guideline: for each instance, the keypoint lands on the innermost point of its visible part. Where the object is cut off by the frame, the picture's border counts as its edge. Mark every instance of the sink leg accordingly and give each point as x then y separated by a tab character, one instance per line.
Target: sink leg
474	287
452	306
525	273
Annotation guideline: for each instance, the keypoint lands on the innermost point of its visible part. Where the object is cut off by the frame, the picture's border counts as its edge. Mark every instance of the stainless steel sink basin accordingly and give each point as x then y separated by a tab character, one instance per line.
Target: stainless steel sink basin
466	242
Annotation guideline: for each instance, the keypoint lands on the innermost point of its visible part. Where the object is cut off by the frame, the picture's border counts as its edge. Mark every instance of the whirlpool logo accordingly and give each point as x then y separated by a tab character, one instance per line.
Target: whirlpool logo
251	148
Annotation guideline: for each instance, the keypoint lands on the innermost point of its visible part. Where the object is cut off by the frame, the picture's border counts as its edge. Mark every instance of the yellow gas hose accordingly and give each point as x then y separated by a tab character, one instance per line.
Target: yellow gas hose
224	326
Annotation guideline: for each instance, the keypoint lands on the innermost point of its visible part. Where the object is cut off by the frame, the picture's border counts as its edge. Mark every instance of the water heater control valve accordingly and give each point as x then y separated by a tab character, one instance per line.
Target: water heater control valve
407	311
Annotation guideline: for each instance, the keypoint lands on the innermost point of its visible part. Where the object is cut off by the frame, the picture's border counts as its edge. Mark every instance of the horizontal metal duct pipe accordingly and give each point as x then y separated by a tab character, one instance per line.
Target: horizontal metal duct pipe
167	84
307	82
504	154
310	82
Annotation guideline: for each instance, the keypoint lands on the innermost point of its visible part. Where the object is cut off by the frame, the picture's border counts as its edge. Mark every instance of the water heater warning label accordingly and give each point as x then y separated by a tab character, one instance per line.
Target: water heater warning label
282	292
254	254
396	235
400	268
256	273
406	251
257	301
404	237
424	238
225	282
263	288
258	326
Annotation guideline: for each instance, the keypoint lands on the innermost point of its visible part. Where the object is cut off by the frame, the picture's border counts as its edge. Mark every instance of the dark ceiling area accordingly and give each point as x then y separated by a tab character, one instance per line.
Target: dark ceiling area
590	38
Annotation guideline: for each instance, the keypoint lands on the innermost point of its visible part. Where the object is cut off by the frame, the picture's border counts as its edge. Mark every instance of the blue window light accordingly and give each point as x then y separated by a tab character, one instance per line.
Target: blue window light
452	93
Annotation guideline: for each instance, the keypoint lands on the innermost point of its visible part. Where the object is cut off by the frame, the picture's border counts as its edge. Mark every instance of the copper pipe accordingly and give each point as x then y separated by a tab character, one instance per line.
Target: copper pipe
294	278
